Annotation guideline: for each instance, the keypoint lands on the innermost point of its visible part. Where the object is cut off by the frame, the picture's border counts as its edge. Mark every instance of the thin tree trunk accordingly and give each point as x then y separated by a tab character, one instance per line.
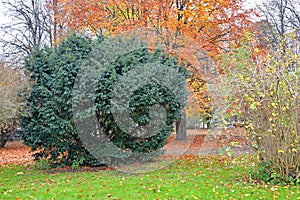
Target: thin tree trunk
181	128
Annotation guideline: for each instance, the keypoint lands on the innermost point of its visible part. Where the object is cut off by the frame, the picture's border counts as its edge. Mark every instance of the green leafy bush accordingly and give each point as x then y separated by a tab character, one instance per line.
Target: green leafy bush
51	126
139	78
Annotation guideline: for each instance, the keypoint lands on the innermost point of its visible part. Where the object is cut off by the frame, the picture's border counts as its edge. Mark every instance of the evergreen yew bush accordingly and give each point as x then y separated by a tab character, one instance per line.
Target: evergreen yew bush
50	127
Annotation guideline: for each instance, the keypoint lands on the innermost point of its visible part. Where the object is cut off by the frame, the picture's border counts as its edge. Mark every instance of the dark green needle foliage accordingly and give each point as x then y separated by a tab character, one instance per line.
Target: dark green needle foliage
50	127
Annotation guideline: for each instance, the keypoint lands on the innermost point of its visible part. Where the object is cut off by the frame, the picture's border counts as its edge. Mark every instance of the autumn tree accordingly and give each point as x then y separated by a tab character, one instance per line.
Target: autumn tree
211	23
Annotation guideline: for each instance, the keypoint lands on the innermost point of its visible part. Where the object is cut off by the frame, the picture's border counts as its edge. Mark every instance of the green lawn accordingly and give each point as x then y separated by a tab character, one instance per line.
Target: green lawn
193	178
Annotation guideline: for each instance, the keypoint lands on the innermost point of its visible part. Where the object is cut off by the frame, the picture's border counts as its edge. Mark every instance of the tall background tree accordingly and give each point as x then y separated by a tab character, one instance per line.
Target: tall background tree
211	23
278	18
32	24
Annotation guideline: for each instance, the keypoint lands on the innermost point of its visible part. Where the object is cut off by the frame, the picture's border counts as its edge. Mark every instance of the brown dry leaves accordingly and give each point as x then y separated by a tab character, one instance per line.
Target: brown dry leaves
15	153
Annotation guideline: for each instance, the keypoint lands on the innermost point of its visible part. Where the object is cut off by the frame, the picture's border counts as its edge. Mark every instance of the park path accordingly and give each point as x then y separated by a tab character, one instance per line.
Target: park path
210	142
198	142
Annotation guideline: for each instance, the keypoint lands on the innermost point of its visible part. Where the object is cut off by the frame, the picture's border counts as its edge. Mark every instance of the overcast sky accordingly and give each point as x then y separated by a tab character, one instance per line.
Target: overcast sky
2	17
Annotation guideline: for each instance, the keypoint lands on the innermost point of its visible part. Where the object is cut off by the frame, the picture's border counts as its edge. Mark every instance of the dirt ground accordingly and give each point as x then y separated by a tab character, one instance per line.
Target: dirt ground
198	142
211	142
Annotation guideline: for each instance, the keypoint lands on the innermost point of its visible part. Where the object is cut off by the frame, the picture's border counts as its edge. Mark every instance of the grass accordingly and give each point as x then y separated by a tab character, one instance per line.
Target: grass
189	178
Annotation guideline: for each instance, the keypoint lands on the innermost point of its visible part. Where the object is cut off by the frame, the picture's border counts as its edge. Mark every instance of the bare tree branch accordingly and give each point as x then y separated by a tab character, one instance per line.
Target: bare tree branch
282	17
33	26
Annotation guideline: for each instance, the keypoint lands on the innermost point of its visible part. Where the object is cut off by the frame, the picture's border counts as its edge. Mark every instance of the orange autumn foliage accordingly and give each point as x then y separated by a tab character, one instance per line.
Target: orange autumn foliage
211	24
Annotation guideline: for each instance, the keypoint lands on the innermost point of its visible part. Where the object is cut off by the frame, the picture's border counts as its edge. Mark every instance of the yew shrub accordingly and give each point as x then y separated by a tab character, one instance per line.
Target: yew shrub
55	106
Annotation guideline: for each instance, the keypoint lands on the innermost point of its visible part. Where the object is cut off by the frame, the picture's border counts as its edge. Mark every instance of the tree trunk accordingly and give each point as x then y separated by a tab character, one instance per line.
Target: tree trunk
181	128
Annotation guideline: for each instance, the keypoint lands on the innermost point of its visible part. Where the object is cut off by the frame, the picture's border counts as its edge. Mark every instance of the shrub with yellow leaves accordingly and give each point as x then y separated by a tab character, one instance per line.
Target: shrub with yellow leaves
265	91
